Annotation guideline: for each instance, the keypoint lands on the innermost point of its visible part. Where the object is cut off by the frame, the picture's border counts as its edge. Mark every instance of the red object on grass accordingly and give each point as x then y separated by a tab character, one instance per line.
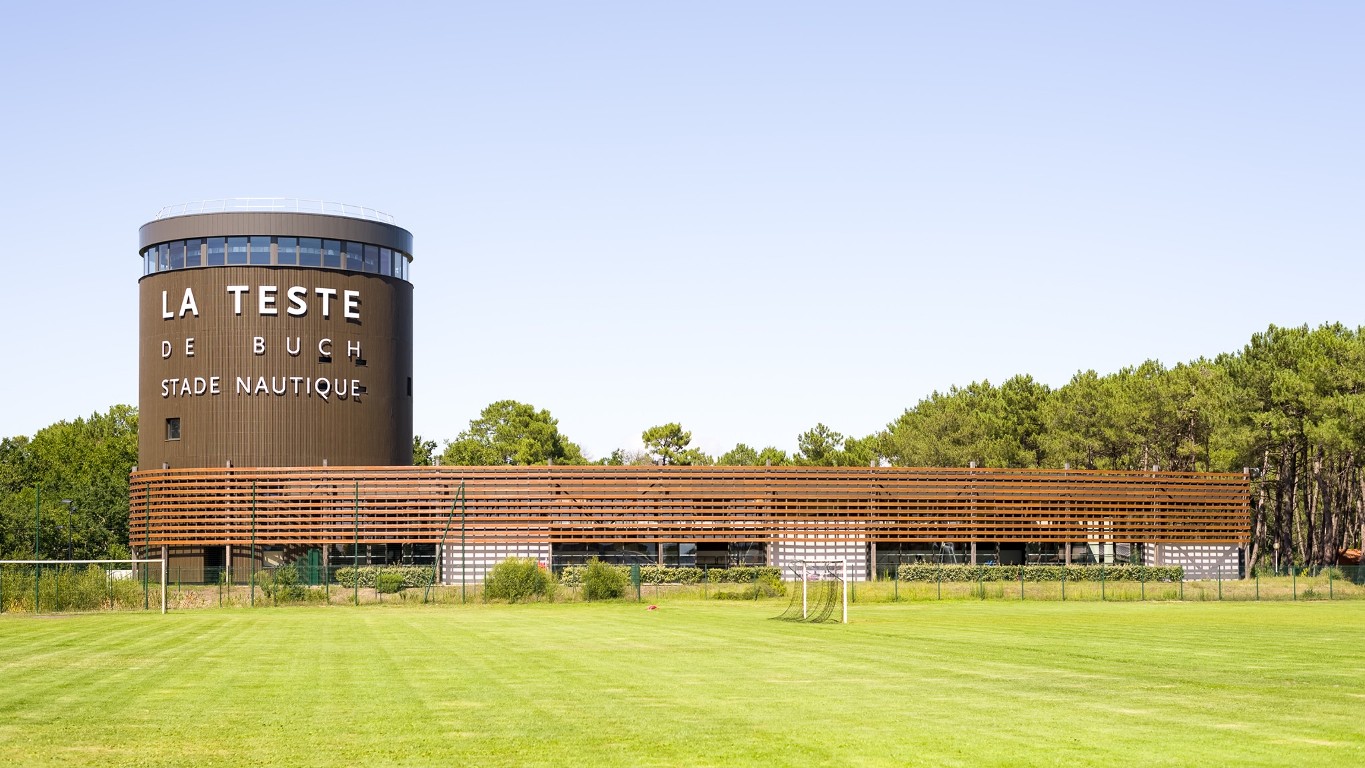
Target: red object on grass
652	608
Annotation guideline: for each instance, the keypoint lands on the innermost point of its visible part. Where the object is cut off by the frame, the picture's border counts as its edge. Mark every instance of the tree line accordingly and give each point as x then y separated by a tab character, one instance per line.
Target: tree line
1288	408
69	483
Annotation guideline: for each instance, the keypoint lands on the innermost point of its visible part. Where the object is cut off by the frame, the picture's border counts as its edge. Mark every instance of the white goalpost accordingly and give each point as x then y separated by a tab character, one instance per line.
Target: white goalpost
831	579
130	573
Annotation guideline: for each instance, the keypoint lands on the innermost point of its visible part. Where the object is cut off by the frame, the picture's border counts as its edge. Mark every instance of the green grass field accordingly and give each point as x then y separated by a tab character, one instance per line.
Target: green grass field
694	683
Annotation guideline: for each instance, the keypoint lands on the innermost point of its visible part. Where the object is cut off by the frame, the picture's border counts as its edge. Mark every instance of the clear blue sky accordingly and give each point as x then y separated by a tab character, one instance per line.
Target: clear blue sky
744	217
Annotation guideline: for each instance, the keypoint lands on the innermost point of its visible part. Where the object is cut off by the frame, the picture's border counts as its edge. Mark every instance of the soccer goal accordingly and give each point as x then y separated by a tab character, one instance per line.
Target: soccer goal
84	581
824	590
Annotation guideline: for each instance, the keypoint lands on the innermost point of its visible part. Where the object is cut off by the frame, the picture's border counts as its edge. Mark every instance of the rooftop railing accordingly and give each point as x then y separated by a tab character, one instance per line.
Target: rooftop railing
273	205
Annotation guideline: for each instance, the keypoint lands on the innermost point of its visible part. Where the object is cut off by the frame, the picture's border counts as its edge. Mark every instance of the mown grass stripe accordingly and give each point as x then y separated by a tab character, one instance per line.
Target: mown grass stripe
695	683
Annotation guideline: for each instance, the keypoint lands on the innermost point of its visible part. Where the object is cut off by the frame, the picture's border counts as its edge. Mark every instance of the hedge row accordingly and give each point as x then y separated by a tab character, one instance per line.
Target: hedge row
413	575
664	574
932	572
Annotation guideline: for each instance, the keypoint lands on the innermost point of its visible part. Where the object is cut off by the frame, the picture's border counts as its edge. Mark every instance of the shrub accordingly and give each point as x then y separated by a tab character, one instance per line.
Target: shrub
281	584
668	574
742	574
602	581
413	575
516	579
389	582
767	585
970	573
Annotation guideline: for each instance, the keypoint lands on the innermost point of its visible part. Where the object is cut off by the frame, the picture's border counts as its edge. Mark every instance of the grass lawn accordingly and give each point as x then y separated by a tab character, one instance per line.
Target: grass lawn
694	683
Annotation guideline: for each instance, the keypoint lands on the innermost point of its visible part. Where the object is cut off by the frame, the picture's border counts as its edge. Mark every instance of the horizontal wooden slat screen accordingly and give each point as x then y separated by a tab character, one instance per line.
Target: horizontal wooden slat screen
560	504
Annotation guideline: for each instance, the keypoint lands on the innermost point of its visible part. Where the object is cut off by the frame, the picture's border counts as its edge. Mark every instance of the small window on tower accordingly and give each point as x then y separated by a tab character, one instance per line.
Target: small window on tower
173	428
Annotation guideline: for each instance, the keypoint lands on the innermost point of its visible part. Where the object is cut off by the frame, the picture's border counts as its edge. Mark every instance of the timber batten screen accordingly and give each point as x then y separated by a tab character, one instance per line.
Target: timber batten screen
564	504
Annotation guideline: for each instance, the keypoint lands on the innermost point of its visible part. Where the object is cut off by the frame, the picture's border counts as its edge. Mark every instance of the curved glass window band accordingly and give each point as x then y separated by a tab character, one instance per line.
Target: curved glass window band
264	250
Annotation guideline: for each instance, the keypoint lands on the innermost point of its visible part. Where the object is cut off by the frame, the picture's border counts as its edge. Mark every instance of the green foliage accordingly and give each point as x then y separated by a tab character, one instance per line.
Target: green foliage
823	447
281	584
739	456
85	461
742	574
820	447
744	456
423	451
87	588
668	444
516	579
412	575
389	582
767	585
667	574
622	457
991	426
602	581
509	432
930	572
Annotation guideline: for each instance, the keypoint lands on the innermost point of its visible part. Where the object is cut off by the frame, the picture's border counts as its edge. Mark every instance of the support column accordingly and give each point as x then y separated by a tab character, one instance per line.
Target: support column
1067	546
872	560
227	558
659	553
973	553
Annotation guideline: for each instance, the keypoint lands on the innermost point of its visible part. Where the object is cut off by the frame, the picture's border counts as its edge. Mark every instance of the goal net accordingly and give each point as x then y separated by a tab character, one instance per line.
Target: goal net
823	596
56	586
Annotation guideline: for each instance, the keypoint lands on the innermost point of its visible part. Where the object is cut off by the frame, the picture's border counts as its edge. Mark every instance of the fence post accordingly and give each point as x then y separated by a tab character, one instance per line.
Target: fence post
1219	571
1293	582
938	580
147	547
897	586
1142	580
253	543
37	517
1329	582
1064	583
1101	580
355	549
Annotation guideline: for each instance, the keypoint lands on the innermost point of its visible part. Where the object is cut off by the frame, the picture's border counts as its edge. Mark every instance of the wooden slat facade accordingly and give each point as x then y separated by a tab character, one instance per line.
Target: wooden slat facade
561	504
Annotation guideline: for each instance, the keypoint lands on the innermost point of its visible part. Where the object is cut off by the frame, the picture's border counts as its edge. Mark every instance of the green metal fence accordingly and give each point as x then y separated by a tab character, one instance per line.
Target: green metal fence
38	587
66	588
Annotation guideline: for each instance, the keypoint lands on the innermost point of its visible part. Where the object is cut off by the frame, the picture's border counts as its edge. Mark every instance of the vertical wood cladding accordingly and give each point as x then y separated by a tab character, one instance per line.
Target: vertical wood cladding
259	428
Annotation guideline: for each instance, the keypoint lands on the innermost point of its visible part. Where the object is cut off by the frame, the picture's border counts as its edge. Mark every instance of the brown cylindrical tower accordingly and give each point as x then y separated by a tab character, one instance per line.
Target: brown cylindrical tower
273	338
